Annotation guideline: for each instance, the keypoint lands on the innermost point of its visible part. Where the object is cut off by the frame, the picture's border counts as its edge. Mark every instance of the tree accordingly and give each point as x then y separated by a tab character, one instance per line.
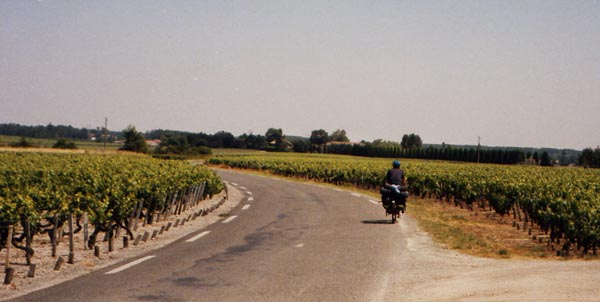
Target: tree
411	141
275	139
62	143
319	138
536	158
545	160
590	158
252	141
134	140
223	139
300	145
380	143
339	136
22	143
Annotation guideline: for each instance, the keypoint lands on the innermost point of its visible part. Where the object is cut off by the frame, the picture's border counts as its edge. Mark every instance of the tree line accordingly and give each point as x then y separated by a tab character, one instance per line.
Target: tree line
496	156
274	139
590	158
52	131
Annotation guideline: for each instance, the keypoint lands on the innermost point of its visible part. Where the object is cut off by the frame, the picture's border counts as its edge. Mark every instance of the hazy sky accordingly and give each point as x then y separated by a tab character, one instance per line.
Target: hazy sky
515	73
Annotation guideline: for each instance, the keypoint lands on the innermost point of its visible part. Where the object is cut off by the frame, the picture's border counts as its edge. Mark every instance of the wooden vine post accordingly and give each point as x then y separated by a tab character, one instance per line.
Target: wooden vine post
8	244
71	243
54	235
28	240
86	235
9	271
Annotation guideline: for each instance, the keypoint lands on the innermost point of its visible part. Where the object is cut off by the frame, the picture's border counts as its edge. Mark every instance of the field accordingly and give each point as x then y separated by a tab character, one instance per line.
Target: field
39	191
559	207
48	143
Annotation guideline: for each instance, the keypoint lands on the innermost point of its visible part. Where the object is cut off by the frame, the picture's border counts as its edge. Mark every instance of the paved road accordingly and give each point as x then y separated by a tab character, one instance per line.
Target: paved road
289	241
284	242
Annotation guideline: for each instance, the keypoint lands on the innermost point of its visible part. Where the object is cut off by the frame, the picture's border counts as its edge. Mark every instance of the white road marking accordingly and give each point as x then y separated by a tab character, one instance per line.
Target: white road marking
356	194
250	198
374	201
233	183
243	188
198	236
336	189
126	266
300	245
230	219
246	207
249	193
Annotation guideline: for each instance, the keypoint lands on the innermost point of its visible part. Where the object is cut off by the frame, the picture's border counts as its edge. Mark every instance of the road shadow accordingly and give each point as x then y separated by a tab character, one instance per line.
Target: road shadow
378	221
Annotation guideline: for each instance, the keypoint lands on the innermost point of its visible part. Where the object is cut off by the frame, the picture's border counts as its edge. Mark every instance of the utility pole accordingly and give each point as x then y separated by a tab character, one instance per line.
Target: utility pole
105	133
478	147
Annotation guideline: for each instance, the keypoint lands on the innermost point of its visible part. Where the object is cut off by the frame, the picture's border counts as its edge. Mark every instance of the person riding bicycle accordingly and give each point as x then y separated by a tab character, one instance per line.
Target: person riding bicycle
395	177
395	182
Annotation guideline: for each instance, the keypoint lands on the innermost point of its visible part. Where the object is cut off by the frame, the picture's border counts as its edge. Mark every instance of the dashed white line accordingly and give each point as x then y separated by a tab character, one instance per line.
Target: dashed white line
233	183
300	245
250	198
374	201
246	207
356	194
243	188
126	266
249	193
336	189
230	219
198	236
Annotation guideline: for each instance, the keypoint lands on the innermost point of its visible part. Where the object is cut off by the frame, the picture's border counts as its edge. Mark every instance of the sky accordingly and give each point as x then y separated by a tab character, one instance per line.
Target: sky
513	73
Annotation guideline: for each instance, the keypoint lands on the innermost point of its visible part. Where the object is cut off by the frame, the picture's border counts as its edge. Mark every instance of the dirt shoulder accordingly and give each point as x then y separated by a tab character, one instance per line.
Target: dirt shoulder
432	272
86	262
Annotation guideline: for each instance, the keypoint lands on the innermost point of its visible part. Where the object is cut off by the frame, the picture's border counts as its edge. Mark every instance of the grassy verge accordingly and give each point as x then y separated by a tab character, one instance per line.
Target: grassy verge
476	232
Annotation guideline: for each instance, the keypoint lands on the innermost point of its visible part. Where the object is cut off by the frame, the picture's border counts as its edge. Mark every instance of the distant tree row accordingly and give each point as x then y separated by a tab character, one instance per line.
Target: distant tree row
184	143
319	139
590	157
498	156
187	143
61	143
50	131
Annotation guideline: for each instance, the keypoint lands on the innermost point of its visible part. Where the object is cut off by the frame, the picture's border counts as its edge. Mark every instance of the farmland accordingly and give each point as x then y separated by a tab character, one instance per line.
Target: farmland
563	202
39	190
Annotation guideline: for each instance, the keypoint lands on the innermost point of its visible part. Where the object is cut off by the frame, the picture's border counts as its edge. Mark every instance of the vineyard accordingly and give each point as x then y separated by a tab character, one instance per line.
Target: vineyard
563	202
40	193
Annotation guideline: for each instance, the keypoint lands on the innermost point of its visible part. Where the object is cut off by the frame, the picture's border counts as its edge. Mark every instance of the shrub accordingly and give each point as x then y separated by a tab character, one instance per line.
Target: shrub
62	143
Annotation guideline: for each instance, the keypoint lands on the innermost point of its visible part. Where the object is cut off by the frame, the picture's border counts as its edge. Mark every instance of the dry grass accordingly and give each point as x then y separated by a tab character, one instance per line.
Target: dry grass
69	151
478	232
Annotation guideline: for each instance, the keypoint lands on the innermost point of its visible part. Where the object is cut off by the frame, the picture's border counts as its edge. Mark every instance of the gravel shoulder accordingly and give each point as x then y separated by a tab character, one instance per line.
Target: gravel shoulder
430	273
86	262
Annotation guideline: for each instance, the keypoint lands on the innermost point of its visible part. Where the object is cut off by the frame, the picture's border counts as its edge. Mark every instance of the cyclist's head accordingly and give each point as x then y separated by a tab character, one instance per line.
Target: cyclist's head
396	164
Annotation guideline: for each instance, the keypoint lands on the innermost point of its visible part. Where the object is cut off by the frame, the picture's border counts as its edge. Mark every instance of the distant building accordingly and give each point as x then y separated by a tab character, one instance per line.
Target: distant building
153	142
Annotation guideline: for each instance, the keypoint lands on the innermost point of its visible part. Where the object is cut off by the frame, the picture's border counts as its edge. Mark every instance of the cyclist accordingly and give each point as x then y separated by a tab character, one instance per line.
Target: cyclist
394	178
395	182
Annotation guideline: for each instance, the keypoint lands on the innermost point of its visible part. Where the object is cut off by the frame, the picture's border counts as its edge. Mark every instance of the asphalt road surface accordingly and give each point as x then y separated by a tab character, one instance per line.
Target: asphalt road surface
289	241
